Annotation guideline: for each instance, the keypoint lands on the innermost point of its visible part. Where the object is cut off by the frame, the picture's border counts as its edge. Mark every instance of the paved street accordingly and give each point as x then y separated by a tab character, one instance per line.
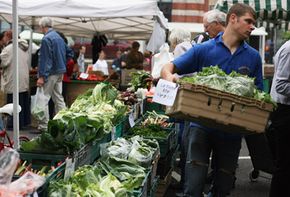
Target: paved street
244	187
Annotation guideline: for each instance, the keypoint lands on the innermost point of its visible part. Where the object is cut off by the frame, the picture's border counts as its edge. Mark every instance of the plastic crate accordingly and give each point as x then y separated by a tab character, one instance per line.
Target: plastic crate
94	148
166	163
149	105
220	110
166	144
86	155
39	160
55	175
143	190
153	188
119	129
153	170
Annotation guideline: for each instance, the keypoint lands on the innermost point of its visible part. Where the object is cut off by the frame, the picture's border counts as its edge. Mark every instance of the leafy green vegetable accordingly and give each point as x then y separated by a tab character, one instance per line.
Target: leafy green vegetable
139	79
89	181
234	83
150	130
92	115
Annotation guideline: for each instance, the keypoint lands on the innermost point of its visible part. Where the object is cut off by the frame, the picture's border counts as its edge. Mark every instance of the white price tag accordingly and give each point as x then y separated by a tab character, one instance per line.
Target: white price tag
113	134
165	92
131	120
142	107
69	168
84	75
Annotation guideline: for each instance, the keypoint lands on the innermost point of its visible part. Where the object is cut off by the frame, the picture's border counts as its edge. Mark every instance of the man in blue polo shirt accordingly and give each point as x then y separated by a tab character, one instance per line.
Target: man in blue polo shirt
231	53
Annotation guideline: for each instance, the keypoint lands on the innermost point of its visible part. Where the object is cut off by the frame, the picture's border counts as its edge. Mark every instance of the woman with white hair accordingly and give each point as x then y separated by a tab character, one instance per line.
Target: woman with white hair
214	22
180	41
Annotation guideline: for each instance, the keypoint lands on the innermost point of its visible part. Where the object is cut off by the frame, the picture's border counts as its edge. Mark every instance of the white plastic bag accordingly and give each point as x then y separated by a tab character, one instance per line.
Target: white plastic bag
9	159
160	59
39	103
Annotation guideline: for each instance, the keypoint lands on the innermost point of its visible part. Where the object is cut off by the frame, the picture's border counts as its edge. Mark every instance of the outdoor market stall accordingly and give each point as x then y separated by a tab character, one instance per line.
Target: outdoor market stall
128	20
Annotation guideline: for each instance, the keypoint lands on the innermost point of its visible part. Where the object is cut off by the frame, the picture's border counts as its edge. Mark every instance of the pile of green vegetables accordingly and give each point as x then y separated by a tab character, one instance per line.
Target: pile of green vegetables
234	83
110	177
135	149
90	117
150	131
154	125
139	79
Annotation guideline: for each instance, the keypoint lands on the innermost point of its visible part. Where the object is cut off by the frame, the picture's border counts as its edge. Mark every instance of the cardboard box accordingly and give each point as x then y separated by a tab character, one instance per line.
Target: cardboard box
125	76
220	110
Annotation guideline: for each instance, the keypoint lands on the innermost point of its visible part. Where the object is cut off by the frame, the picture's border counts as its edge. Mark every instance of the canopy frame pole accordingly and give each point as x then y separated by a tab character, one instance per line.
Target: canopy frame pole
15	75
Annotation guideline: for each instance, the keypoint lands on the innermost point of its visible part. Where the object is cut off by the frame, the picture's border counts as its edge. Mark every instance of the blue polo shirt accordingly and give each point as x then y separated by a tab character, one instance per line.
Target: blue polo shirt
245	60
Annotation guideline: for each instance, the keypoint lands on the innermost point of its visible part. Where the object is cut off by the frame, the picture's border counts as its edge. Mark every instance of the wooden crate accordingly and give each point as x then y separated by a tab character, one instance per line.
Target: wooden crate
125	76
220	110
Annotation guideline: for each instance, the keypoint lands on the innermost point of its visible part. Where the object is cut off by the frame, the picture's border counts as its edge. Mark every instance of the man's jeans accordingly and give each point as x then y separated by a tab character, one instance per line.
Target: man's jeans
199	145
52	88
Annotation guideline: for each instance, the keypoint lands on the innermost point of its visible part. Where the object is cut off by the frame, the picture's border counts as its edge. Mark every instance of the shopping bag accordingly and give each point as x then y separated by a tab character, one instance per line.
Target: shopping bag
160	59
39	103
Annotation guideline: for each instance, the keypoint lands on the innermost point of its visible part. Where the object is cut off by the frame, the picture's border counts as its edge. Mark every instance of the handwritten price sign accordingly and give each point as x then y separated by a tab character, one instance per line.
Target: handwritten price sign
165	92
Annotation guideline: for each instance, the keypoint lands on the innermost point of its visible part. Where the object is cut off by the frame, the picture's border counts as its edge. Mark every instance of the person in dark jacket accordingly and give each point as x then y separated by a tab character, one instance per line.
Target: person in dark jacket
135	57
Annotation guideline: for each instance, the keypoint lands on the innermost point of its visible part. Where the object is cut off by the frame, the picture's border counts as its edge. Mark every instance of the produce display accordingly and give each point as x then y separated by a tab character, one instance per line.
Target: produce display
234	83
153	126
135	149
123	167
25	166
140	79
90	117
21	186
128	97
111	176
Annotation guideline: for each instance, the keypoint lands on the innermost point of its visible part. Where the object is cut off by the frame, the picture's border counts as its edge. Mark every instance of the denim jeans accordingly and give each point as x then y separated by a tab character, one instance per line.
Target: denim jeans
199	145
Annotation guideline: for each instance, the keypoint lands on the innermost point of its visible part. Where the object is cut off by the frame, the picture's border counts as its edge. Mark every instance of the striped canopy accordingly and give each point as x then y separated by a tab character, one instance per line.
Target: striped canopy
266	10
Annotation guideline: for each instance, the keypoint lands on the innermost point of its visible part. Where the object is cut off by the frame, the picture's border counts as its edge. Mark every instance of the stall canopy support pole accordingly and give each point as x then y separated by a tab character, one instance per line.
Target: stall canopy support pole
15	75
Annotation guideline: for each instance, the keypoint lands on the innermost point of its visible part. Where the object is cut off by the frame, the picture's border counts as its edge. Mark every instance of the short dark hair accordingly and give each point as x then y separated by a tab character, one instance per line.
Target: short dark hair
2	34
135	45
240	9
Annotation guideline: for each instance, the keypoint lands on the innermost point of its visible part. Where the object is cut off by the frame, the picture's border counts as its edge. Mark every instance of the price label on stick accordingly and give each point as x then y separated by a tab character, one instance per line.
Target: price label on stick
142	107
84	75
165	92
69	168
113	134
131	120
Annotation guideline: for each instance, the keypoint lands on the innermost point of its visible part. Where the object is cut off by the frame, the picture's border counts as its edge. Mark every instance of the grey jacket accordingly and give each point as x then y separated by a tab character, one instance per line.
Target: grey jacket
7	80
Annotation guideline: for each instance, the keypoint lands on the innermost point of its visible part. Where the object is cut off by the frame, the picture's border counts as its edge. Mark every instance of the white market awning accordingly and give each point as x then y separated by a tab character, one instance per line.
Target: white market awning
130	19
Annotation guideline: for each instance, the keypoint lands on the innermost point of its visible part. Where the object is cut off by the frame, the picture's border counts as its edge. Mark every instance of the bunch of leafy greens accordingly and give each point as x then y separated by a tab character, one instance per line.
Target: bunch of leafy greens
139	79
130	174
90	117
234	83
135	149
150	131
89	181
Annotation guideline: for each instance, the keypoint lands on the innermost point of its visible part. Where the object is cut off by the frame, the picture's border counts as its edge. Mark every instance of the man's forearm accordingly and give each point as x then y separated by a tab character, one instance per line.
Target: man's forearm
167	72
